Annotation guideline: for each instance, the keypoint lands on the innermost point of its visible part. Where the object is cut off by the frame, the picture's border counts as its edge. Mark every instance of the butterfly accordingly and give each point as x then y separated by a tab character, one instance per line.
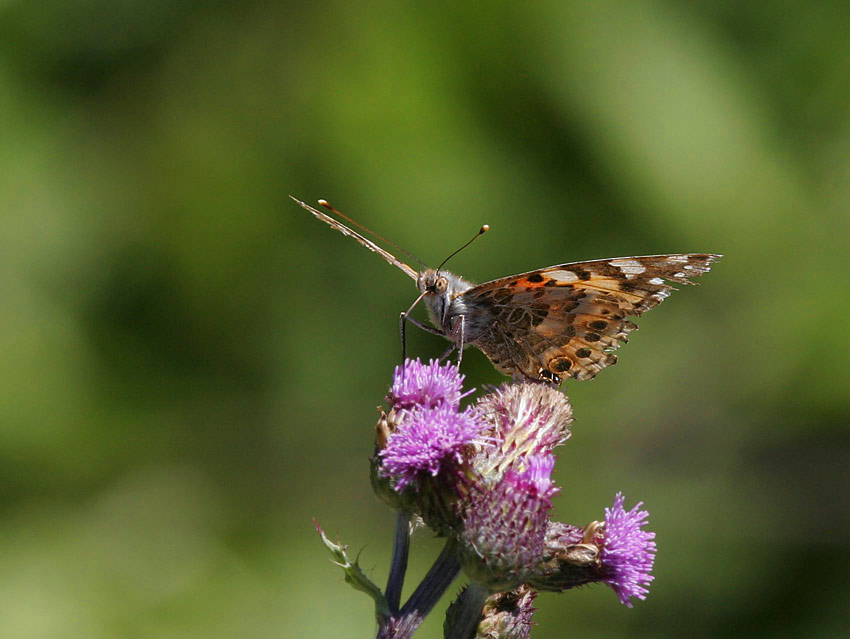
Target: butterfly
549	324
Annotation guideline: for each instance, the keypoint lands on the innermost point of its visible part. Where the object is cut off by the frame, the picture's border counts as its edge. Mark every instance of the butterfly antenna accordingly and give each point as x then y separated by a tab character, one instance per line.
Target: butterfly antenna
328	206
481	231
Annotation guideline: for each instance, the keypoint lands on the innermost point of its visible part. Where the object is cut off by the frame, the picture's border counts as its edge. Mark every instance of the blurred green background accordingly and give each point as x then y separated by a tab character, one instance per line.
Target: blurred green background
191	363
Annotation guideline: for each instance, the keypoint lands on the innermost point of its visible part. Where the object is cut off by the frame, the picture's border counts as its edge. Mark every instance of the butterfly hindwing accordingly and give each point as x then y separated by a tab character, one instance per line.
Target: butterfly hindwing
563	321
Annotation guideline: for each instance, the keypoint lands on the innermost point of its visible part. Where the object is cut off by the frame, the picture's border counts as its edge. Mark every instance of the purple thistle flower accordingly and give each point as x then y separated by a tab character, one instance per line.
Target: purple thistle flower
526	419
628	552
504	526
426	385
428	440
617	552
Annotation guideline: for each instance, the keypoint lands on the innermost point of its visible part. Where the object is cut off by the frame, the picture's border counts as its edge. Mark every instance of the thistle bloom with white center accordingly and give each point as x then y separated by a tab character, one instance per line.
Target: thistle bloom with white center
525	419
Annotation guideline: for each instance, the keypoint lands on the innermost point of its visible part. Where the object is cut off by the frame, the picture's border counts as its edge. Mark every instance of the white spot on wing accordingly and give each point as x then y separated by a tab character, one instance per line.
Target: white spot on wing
630	268
563	276
657	281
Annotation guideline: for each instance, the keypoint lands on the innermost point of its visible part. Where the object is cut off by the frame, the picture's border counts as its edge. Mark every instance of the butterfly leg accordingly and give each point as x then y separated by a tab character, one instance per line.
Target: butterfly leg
448	352
424	327
457	337
405	317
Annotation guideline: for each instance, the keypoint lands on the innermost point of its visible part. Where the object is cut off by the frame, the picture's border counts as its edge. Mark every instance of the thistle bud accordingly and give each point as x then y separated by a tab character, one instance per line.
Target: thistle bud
505	615
504	526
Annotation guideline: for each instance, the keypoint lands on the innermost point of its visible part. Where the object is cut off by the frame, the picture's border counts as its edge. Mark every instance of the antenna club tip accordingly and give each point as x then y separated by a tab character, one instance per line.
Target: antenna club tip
324	202
484	228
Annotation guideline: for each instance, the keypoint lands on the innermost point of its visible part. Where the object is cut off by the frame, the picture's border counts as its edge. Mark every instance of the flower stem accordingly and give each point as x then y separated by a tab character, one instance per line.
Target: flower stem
471	604
425	597
398	566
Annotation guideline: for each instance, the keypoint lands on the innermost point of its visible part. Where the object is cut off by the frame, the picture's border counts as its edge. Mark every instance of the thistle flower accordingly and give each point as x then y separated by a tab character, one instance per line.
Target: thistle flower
525	419
482	478
425	431
616	552
504	526
628	553
505	514
418	385
428	440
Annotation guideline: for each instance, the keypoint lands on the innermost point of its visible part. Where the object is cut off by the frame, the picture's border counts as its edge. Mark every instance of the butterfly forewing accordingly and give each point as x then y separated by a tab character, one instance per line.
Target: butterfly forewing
369	244
563	321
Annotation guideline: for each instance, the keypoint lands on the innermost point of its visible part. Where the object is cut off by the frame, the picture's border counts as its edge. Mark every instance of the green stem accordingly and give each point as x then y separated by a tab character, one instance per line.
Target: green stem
356	577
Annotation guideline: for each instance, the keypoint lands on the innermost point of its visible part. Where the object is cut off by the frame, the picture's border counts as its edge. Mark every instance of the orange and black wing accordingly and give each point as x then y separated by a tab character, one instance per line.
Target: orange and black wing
564	321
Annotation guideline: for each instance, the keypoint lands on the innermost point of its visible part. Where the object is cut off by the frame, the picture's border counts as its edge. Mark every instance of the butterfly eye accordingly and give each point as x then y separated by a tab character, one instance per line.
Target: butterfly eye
441	285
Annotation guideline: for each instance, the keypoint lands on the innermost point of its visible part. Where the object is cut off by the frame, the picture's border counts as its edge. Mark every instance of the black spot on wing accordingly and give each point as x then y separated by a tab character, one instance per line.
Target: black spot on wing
560	364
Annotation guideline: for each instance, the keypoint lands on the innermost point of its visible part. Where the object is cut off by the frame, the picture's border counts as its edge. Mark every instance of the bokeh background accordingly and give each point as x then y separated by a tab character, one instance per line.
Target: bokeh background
190	363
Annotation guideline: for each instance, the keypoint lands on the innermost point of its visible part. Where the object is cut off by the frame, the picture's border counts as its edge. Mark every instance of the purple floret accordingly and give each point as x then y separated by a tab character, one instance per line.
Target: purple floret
429	440
629	552
539	474
426	385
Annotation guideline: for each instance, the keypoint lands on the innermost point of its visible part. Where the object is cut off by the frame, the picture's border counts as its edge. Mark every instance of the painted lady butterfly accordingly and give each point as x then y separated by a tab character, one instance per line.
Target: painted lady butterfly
556	322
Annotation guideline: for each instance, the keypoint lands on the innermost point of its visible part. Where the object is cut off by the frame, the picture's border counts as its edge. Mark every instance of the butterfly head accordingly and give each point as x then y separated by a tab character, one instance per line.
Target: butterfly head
440	289
433	282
